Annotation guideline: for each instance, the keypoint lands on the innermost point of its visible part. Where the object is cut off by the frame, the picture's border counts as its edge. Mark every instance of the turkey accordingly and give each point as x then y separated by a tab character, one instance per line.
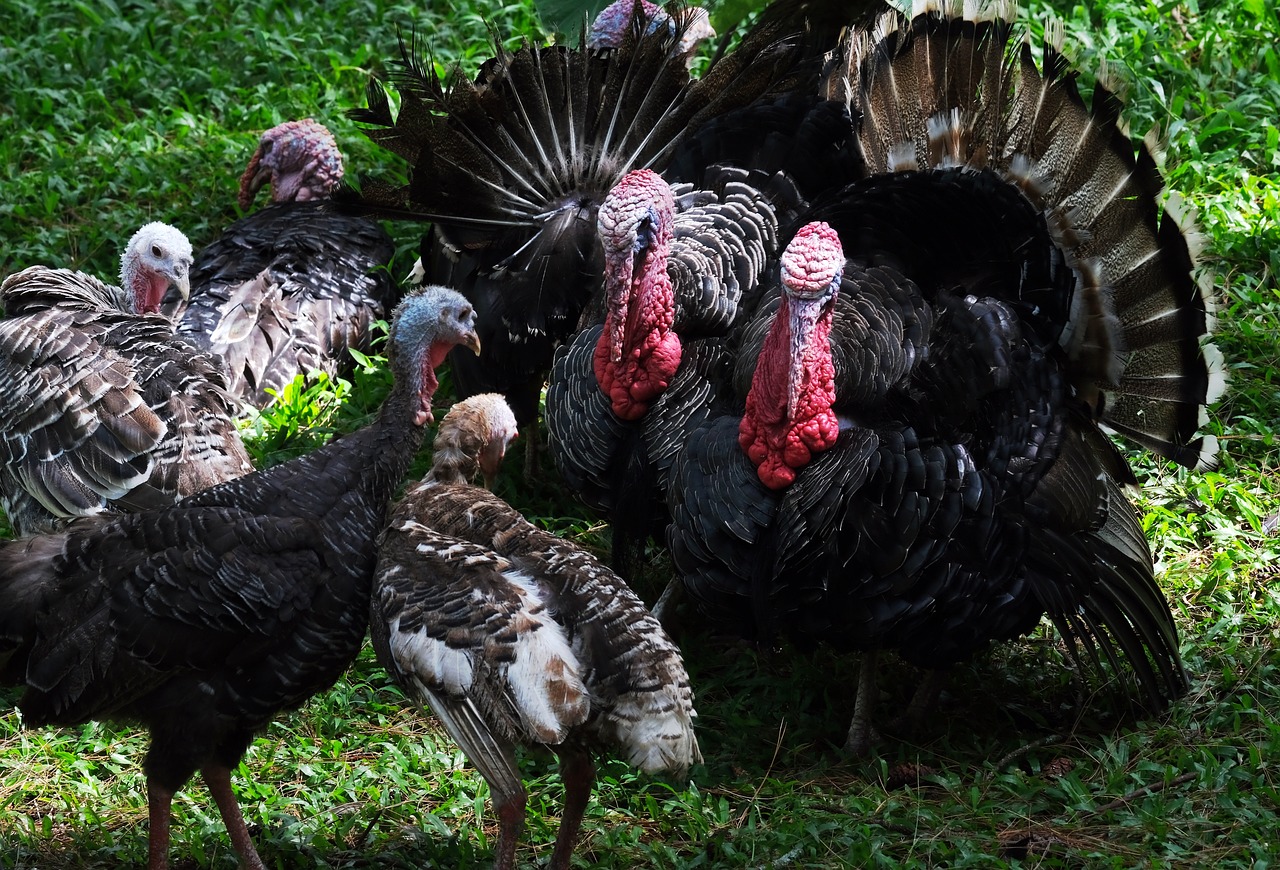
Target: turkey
918	462
516	637
103	408
682	268
204	620
287	290
512	167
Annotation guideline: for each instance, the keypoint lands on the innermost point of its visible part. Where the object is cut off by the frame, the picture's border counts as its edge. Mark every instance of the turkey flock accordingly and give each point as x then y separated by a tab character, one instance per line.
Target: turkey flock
845	323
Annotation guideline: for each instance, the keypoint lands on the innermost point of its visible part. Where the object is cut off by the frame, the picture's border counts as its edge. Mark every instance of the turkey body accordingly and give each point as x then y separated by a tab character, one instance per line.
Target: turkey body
918	463
289	289
105	409
516	637
204	620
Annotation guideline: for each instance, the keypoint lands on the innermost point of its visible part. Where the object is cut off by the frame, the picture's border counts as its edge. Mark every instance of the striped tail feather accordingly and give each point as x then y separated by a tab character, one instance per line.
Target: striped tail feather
953	87
1090	566
541	123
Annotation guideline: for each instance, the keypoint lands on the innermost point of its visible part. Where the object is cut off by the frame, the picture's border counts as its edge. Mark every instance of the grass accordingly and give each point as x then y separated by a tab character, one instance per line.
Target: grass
119	113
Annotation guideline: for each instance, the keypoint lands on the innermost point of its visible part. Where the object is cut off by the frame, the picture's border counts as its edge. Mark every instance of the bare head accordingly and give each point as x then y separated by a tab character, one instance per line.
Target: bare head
813	262
157	257
636	224
299	158
427	324
474	434
690	25
789	414
638	352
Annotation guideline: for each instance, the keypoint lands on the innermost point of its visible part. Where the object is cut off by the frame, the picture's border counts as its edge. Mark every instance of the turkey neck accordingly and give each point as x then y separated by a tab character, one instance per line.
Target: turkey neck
788	415
344	485
638	352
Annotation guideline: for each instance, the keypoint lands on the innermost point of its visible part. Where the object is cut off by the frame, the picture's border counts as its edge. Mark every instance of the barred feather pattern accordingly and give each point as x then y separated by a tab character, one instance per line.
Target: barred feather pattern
953	87
448	561
970	490
104	410
997	503
288	291
621	468
724	236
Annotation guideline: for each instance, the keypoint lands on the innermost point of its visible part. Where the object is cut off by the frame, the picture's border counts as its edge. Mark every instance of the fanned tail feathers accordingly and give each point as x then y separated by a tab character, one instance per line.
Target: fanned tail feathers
952	87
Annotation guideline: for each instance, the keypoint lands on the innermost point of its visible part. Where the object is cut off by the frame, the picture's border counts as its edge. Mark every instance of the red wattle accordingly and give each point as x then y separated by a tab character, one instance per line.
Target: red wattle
644	372
780	445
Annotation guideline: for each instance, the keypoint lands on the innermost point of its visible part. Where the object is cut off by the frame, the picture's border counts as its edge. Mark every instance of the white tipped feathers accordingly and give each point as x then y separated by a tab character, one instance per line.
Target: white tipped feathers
101	406
934	97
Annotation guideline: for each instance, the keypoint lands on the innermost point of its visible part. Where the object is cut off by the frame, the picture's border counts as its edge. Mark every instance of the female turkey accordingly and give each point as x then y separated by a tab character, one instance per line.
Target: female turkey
103	408
512	168
919	462
516	637
204	620
289	289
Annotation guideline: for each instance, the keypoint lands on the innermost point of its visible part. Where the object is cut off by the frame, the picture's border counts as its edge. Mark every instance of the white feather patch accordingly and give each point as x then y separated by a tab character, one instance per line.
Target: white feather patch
655	731
430	661
545	678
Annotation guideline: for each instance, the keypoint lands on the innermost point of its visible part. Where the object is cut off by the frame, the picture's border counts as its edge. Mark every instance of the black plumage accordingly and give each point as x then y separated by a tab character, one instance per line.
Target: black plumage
289	289
684	267
512	167
516	637
204	620
919	461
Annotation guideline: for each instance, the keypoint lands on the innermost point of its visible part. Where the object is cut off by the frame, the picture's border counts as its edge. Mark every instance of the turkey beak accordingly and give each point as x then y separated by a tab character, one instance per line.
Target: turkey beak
252	184
181	279
472	340
491	461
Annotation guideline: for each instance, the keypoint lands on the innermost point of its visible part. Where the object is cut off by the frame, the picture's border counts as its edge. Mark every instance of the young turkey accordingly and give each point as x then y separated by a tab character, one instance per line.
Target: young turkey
204	620
516	637
289	289
102	407
919	461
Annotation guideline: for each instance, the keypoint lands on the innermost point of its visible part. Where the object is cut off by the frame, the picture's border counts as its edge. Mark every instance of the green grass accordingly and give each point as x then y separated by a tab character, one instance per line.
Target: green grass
113	114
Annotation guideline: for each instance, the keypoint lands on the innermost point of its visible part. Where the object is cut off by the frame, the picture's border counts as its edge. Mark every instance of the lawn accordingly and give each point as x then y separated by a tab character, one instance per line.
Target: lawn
112	114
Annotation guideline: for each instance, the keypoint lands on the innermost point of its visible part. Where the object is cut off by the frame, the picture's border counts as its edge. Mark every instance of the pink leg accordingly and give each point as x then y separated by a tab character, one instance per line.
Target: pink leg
579	775
510	811
159	802
218	778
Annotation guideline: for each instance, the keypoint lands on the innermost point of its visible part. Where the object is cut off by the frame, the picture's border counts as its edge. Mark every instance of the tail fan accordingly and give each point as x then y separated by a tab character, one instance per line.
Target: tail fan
952	87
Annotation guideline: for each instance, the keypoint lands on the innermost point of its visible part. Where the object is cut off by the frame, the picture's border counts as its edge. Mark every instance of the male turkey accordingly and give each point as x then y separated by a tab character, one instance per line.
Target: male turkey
102	407
289	289
516	637
682	269
919	462
512	167
204	620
